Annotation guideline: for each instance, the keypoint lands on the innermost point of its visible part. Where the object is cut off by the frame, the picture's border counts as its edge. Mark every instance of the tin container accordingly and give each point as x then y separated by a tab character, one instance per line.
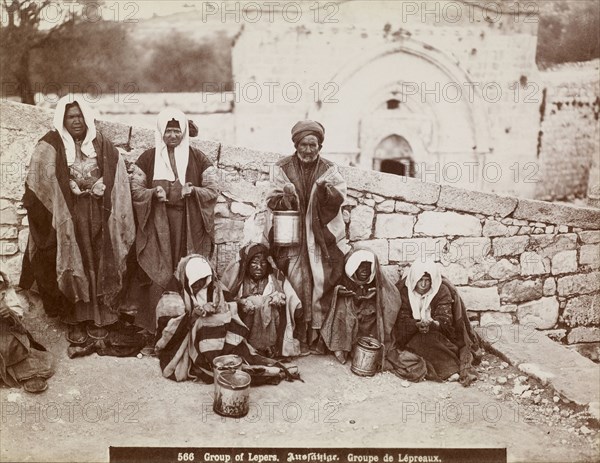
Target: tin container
286	228
367	356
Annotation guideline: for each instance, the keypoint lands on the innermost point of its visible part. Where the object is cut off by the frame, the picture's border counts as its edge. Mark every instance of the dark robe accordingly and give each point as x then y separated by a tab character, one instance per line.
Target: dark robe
315	266
78	245
166	232
361	310
453	347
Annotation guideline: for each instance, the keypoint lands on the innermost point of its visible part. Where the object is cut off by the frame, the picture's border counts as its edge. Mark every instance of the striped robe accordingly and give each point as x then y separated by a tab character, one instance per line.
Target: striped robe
315	266
187	343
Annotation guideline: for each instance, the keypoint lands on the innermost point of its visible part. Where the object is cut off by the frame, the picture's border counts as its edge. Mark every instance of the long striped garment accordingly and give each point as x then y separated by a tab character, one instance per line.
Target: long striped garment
188	343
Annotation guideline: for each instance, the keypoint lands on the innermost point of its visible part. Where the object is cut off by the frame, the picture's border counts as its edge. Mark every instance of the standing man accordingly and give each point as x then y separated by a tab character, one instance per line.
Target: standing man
313	186
174	189
81	223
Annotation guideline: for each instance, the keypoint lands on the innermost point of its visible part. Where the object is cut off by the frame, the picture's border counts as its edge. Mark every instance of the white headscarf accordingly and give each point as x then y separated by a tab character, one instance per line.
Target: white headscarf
196	269
162	166
419	304
354	261
87	147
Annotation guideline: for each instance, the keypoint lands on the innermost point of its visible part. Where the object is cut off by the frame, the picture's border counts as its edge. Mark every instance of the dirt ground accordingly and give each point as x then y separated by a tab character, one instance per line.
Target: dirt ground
96	402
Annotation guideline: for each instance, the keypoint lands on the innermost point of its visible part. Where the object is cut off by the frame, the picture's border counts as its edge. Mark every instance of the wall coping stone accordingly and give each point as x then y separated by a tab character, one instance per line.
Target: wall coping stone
17	116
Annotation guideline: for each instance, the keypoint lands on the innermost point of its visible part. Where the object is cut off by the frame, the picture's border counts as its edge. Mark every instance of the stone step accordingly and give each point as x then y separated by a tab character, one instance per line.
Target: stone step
570	374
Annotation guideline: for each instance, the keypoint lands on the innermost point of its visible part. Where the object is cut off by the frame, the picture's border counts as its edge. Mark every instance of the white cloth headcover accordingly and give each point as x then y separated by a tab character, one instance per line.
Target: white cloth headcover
419	304
162	166
196	269
354	261
87	147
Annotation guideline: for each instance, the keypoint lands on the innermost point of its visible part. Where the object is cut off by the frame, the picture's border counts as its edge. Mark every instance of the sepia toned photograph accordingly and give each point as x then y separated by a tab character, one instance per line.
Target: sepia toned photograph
312	231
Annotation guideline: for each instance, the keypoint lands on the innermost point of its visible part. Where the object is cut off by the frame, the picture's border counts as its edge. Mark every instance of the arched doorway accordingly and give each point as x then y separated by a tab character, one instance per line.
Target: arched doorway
394	155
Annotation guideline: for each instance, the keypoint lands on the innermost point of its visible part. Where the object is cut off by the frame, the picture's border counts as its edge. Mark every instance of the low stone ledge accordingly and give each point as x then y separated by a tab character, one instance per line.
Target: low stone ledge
540	211
391	186
476	202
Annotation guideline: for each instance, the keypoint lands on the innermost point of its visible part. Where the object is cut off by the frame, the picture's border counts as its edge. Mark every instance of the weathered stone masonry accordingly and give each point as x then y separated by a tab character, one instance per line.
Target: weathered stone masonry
515	260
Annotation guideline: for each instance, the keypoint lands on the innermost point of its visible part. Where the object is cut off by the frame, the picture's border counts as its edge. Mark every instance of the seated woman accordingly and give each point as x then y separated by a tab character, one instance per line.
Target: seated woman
433	324
23	362
197	325
266	301
365	303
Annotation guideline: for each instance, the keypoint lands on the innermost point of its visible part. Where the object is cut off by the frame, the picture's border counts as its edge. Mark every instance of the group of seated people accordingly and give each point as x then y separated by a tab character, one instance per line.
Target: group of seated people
124	256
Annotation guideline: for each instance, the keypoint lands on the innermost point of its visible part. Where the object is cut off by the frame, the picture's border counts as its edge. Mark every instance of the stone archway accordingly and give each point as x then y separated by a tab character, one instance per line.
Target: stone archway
372	100
394	155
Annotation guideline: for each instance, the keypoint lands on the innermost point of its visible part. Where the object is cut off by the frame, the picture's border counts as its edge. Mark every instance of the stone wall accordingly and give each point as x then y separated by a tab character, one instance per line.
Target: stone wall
515	260
570	133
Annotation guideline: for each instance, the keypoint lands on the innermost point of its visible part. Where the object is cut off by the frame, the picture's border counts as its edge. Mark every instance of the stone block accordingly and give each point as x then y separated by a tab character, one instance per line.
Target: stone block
8	233
494	228
549	245
406	207
456	273
583	283
8	248
242	209
589	254
533	264
480	299
8	212
517	291
409	250
242	158
589	237
583	334
590	350
11	266
475	249
503	270
379	247
237	188
583	310
475	201
557	214
564	262
23	238
510	246
226	253
361	222
557	335
228	230
391	186
495	318
394	226
543	313
433	223
255	227
222	210
385	206
368	201
549	288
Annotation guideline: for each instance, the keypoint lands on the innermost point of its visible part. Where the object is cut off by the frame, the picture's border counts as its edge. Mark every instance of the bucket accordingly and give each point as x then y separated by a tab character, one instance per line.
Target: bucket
286	228
225	363
233	393
366	356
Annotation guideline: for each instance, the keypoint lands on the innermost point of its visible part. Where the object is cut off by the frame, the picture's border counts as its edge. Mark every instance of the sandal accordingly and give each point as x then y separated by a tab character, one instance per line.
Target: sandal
97	332
76	334
35	385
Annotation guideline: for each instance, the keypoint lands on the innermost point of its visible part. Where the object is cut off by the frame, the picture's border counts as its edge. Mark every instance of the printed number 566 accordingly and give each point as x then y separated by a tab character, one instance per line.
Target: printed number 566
185	456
